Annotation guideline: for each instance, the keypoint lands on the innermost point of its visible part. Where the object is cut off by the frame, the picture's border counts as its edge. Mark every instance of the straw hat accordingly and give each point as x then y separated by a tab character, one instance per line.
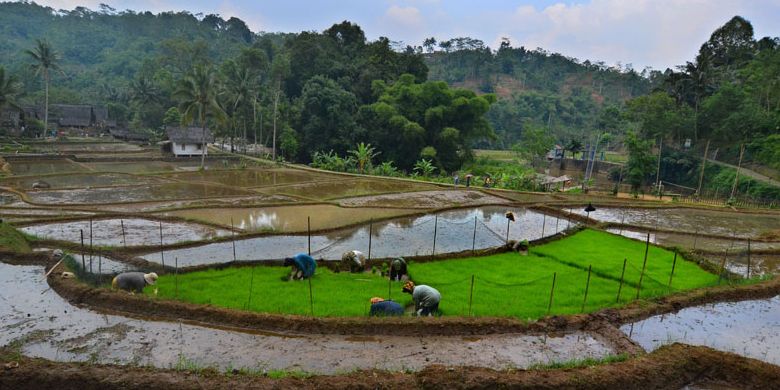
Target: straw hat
408	287
151	278
377	300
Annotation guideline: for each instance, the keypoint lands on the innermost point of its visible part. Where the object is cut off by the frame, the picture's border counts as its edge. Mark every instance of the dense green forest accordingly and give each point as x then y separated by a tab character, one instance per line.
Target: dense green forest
307	94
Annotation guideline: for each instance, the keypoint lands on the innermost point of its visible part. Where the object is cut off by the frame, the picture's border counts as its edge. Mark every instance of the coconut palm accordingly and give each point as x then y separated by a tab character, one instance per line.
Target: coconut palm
363	154
9	89
45	59
197	92
240	85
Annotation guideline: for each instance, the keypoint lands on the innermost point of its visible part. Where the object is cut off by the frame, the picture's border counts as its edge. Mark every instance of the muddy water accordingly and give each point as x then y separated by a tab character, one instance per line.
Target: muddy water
137	232
252	177
425	199
49	327
406	236
748	328
153	166
351	188
41	167
288	218
93	147
133	194
690	220
81	180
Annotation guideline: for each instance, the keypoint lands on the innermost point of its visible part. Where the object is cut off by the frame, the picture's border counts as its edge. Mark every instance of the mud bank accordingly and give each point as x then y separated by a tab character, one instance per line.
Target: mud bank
40	323
748	328
671	367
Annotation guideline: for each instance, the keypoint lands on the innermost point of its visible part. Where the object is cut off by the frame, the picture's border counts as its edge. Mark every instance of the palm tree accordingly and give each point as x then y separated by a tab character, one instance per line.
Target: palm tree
45	59
240	85
9	89
363	154
198	92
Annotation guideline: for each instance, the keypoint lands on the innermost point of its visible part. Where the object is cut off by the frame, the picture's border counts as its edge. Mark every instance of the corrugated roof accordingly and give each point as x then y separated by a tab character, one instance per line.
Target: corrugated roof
188	135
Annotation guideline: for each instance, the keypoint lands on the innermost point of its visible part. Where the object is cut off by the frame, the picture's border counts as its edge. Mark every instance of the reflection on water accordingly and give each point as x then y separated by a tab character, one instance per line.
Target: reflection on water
455	231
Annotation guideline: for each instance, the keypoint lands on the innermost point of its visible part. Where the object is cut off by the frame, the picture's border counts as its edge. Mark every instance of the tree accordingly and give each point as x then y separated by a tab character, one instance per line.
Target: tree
641	162
424	167
45	59
327	117
9	90
363	154
536	142
280	69
197	92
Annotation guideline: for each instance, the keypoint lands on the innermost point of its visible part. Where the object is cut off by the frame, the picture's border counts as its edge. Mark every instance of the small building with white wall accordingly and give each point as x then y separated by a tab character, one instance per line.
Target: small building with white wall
188	141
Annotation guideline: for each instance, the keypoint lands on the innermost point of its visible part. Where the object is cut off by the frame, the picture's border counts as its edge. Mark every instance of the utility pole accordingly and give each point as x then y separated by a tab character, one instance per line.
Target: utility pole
703	163
658	171
739	166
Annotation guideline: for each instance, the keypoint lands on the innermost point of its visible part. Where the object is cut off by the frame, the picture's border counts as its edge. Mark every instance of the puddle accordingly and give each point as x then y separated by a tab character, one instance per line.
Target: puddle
288	218
406	236
346	188
425	199
81	181
51	328
133	194
137	232
45	166
252	177
747	328
690	220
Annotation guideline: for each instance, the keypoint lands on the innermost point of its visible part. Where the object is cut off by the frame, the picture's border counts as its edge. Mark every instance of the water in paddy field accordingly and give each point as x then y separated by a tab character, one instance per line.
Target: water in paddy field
47	326
252	177
351	188
142	193
722	223
41	167
80	180
406	236
138	231
747	328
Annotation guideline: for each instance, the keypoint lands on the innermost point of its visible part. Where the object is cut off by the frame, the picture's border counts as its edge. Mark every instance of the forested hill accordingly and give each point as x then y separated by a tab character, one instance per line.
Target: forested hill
537	87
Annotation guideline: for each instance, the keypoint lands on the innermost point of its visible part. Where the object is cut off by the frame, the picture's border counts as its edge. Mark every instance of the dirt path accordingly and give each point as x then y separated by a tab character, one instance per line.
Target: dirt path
41	323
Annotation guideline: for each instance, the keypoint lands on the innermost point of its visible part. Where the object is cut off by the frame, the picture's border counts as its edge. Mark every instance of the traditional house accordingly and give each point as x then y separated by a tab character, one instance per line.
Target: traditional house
187	141
128	135
71	115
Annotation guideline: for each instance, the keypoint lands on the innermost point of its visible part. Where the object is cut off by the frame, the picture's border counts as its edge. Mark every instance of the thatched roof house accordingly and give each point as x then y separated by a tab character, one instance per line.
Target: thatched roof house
71	115
128	135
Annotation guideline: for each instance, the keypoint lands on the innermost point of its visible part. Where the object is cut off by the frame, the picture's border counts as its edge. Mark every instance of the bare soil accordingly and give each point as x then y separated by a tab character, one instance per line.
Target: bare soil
669	367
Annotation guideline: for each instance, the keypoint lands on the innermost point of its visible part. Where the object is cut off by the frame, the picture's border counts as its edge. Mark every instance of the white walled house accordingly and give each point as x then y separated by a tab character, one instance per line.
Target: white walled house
187	141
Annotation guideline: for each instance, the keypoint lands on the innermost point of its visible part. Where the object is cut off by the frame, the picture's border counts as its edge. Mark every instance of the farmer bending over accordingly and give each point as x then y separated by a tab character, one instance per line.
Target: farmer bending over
426	298
133	281
397	269
303	266
354	260
383	308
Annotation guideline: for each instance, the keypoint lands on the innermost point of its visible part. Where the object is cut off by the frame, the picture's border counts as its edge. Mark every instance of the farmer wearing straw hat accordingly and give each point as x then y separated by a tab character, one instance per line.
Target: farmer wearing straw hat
303	266
426	298
133	281
382	308
354	260
397	269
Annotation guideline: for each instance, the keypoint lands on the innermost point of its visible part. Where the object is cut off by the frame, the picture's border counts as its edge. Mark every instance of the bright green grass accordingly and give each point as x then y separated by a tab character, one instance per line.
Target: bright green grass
505	285
335	294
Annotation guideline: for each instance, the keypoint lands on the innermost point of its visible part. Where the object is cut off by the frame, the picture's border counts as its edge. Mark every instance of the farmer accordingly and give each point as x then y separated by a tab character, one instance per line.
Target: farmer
426	298
397	269
468	180
354	260
383	308
133	281
302	264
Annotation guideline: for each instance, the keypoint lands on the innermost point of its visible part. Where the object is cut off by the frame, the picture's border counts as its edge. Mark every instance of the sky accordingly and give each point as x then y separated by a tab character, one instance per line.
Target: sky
640	33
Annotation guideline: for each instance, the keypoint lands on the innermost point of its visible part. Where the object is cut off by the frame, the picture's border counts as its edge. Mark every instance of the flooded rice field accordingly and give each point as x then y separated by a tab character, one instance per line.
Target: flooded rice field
693	242
66	147
137	232
46	166
255	199
690	220
346	188
252	177
152	166
406	236
44	325
167	191
288	218
425	199
748	328
80	180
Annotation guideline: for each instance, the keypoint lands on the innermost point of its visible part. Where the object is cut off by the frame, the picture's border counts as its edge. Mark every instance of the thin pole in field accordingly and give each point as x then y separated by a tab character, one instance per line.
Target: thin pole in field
557	219
176	275
233	238
474	237
251	284
100	269
748	265
552	291
83	263
674	263
644	266
587	287
162	252
90	245
544	222
435	227
311	298
507	230
471	294
622	274
568	220
695	238
622	221
124	238
370	233
308	232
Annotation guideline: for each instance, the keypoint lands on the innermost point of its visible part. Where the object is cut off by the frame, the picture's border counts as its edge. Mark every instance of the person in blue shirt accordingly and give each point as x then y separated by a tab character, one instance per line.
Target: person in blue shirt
303	266
383	308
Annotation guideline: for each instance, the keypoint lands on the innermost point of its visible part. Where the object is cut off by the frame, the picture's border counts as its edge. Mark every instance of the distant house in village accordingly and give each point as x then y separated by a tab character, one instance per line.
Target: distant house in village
80	116
187	141
556	153
128	135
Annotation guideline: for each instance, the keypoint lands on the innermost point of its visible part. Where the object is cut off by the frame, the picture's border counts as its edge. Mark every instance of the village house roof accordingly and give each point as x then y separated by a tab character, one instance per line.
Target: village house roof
71	115
129	135
188	135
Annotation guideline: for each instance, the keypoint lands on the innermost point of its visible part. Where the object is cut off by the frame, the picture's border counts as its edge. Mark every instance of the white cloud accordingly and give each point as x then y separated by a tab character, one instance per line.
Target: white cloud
403	17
